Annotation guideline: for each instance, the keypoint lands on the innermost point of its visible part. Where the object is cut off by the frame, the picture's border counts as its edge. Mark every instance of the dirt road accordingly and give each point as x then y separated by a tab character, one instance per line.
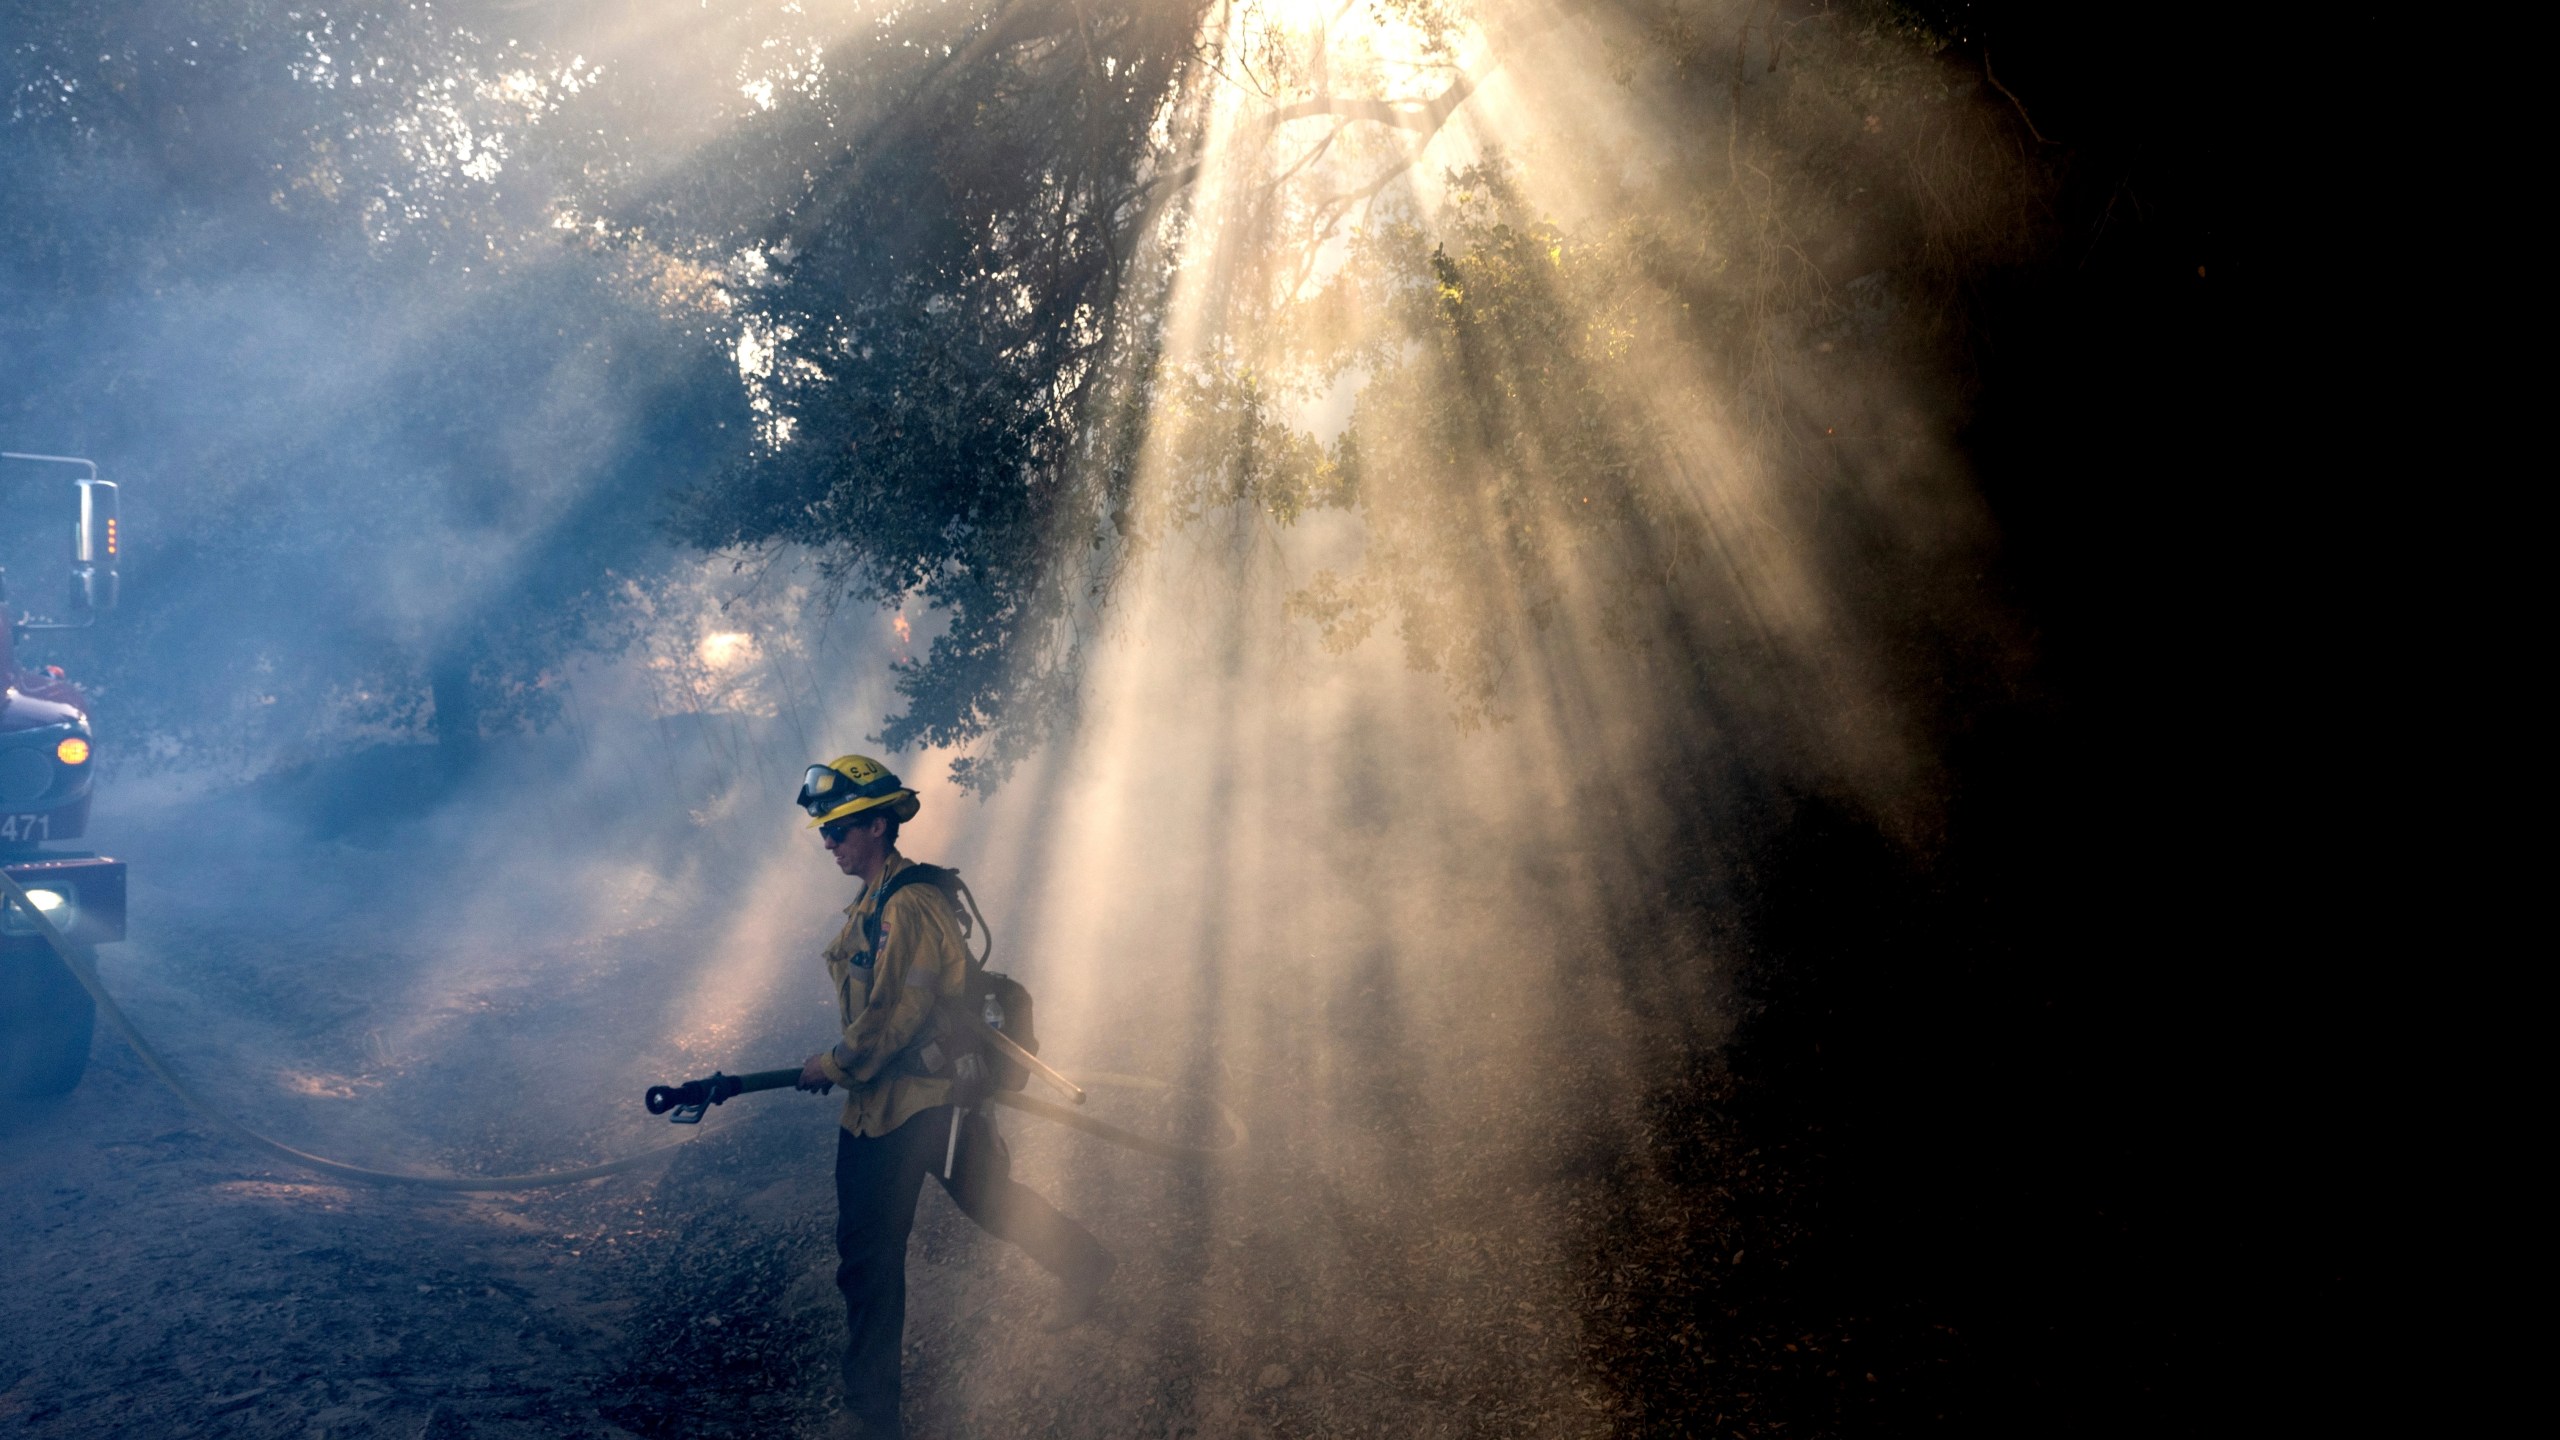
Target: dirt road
164	1280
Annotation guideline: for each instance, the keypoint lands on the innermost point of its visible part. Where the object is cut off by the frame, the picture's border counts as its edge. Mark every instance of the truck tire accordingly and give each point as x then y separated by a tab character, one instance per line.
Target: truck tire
49	1019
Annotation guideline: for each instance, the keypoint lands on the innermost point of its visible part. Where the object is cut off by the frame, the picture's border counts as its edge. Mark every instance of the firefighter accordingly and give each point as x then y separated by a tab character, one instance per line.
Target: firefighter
911	1077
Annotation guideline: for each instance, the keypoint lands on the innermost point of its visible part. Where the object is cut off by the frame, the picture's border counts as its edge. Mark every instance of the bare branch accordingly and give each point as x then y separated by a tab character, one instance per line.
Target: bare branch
1424	119
2013	99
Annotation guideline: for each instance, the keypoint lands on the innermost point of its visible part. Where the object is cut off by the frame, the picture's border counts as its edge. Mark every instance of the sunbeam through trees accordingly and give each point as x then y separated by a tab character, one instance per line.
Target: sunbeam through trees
1541	626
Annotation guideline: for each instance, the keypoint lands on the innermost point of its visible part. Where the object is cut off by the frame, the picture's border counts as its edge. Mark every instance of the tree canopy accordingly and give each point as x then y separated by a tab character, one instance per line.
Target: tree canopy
435	327
987	214
393	442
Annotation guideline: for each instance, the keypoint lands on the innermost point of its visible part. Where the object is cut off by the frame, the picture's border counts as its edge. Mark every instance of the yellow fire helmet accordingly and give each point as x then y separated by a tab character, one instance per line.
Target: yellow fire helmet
850	785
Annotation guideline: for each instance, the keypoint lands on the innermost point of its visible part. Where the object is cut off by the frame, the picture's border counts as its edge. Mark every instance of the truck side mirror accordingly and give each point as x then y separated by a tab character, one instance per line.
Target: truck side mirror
96	544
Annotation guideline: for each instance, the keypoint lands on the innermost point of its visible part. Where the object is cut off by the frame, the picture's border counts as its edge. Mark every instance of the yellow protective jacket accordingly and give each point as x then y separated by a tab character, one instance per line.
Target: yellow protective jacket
888	1002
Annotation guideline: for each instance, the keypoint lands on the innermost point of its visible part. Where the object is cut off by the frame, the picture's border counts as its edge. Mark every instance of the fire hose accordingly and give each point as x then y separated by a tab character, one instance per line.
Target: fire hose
15	897
688	1100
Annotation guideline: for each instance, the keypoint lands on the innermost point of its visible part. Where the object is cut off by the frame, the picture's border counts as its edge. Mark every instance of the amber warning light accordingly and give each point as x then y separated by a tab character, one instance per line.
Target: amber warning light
72	751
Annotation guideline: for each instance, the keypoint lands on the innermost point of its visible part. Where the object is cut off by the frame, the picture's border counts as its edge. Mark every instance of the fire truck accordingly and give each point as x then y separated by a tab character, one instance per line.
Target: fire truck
47	757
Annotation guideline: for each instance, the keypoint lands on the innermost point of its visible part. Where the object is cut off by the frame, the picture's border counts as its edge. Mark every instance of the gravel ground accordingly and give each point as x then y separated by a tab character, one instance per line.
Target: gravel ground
1362	1269
1485	1194
167	1278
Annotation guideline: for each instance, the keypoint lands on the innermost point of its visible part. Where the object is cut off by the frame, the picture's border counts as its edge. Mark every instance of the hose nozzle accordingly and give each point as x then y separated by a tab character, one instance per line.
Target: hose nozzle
691	1098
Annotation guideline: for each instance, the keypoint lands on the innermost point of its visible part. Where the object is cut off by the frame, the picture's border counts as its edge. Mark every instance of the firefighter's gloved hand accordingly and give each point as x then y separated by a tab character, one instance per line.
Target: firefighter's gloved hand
968	1080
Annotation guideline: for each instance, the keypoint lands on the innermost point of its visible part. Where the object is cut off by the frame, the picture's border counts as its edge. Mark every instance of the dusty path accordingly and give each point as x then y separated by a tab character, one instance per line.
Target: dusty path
166	1281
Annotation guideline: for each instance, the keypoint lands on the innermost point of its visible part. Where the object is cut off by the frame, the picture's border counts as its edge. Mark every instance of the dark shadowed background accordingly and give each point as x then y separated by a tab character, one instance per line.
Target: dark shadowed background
1655	711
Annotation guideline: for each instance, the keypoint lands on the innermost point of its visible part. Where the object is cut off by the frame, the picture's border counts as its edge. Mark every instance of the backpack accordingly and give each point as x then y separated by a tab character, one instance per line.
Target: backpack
995	1000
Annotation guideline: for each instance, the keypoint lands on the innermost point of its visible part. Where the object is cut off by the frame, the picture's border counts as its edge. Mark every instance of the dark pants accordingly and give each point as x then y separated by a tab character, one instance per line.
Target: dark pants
877	1179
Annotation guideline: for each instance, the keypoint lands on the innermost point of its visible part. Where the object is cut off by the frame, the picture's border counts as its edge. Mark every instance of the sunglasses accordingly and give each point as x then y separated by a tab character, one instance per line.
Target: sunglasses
834	834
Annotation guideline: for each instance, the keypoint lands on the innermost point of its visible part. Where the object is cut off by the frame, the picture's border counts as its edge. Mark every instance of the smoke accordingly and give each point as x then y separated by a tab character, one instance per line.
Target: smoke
399	407
1416	887
1612	498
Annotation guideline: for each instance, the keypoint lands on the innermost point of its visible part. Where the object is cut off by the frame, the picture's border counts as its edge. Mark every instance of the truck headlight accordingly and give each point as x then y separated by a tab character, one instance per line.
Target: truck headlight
58	907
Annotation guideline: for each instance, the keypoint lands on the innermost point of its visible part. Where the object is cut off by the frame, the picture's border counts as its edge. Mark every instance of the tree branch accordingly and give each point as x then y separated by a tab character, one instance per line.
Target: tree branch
1422	118
2013	99
1010	22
